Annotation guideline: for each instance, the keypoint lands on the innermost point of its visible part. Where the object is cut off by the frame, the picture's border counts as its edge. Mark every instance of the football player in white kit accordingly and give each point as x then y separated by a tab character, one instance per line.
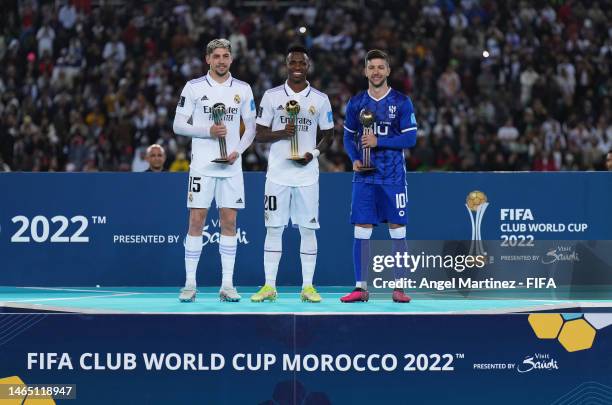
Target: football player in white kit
292	186
208	180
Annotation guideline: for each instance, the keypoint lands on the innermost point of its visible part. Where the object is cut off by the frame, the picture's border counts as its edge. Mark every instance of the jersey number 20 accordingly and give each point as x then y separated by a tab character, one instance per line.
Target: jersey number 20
270	203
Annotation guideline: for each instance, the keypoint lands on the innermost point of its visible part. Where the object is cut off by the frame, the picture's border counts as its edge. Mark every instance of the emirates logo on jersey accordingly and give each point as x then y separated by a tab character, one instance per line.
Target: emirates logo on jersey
300	120
302	124
230	112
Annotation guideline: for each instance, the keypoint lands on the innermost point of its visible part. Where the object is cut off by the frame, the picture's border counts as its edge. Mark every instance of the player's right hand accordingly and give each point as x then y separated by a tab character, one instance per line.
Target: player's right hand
218	131
357	165
289	130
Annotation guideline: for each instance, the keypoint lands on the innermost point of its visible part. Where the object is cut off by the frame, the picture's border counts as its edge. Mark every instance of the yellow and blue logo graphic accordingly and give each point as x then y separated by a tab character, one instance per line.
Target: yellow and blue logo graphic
575	331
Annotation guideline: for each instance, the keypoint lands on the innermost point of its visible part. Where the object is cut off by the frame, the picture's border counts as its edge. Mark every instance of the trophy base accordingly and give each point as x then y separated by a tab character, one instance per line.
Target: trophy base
366	169
221	160
298	159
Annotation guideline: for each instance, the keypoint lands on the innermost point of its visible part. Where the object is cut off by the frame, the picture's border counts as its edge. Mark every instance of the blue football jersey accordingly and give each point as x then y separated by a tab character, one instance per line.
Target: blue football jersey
395	127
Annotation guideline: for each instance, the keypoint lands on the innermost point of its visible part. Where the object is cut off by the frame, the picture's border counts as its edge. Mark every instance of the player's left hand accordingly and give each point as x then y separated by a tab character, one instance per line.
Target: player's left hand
232	157
307	159
369	140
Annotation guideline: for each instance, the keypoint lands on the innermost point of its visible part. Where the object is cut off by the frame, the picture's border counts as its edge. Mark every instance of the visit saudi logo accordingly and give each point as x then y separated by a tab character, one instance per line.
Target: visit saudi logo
476	205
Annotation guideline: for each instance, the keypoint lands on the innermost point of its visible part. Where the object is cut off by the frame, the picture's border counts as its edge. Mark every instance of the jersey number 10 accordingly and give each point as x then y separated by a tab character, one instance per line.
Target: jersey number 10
400	200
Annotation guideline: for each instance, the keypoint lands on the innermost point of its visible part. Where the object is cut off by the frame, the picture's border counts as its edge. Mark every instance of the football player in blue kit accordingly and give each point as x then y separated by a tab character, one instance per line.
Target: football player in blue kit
379	195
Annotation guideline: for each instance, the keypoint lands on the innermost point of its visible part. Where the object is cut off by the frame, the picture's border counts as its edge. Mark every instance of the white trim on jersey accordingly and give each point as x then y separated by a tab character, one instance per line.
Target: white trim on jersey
378	99
408	129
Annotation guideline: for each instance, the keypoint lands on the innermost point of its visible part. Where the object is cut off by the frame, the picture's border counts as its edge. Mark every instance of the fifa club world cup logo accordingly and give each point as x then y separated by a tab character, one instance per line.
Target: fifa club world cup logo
476	204
218	113
293	109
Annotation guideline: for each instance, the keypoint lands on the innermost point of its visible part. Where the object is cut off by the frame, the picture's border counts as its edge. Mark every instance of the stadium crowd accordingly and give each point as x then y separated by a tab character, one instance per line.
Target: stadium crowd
88	85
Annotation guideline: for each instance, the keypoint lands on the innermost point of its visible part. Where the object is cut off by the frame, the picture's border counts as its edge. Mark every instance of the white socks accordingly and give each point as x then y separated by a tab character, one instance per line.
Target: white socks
361	250
273	250
398	241
398	233
308	254
227	251
193	249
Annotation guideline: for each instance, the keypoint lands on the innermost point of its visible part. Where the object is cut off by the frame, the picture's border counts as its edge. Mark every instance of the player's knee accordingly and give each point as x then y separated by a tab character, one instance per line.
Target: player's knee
275	231
196	221
398	233
308	236
228	224
362	233
274	237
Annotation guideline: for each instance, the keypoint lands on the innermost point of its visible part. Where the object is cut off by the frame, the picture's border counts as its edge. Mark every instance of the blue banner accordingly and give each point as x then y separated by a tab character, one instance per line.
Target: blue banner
287	359
118	229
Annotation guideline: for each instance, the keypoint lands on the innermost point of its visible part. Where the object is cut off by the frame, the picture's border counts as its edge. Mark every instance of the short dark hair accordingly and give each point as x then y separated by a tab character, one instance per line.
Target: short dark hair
297	48
376	54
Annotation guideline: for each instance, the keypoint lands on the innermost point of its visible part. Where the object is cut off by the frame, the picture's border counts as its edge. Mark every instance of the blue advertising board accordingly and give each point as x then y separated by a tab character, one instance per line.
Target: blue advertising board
119	229
287	359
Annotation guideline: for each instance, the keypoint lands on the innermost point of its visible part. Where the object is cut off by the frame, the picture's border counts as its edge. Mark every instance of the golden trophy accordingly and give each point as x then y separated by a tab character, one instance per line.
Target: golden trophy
293	109
367	118
218	113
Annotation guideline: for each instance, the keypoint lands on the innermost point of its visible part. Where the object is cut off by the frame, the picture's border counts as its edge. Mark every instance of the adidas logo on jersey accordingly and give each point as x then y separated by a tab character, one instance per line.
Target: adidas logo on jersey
280	108
313	221
204	98
239	201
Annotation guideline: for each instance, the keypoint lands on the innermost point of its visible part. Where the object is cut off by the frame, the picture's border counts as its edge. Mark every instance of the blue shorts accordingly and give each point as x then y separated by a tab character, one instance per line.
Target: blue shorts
378	203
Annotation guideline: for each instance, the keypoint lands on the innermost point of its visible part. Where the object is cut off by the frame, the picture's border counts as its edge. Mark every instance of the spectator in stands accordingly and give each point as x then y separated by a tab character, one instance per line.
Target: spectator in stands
508	133
140	163
180	164
156	156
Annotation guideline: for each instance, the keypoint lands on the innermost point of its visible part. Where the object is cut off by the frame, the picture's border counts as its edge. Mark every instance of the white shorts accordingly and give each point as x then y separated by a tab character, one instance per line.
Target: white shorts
228	192
299	203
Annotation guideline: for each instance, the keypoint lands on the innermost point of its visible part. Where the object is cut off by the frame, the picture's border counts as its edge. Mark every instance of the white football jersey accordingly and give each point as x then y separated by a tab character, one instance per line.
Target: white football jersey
196	101
315	110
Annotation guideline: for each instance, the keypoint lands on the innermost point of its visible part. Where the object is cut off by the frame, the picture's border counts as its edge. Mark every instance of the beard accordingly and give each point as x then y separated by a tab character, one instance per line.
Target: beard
378	85
221	71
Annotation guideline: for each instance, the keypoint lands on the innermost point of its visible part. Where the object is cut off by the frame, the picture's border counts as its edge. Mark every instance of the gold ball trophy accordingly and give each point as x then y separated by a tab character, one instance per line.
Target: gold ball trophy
293	108
218	113
366	117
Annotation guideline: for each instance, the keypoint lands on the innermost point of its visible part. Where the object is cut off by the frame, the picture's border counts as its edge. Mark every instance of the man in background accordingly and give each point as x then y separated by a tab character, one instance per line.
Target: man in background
156	157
